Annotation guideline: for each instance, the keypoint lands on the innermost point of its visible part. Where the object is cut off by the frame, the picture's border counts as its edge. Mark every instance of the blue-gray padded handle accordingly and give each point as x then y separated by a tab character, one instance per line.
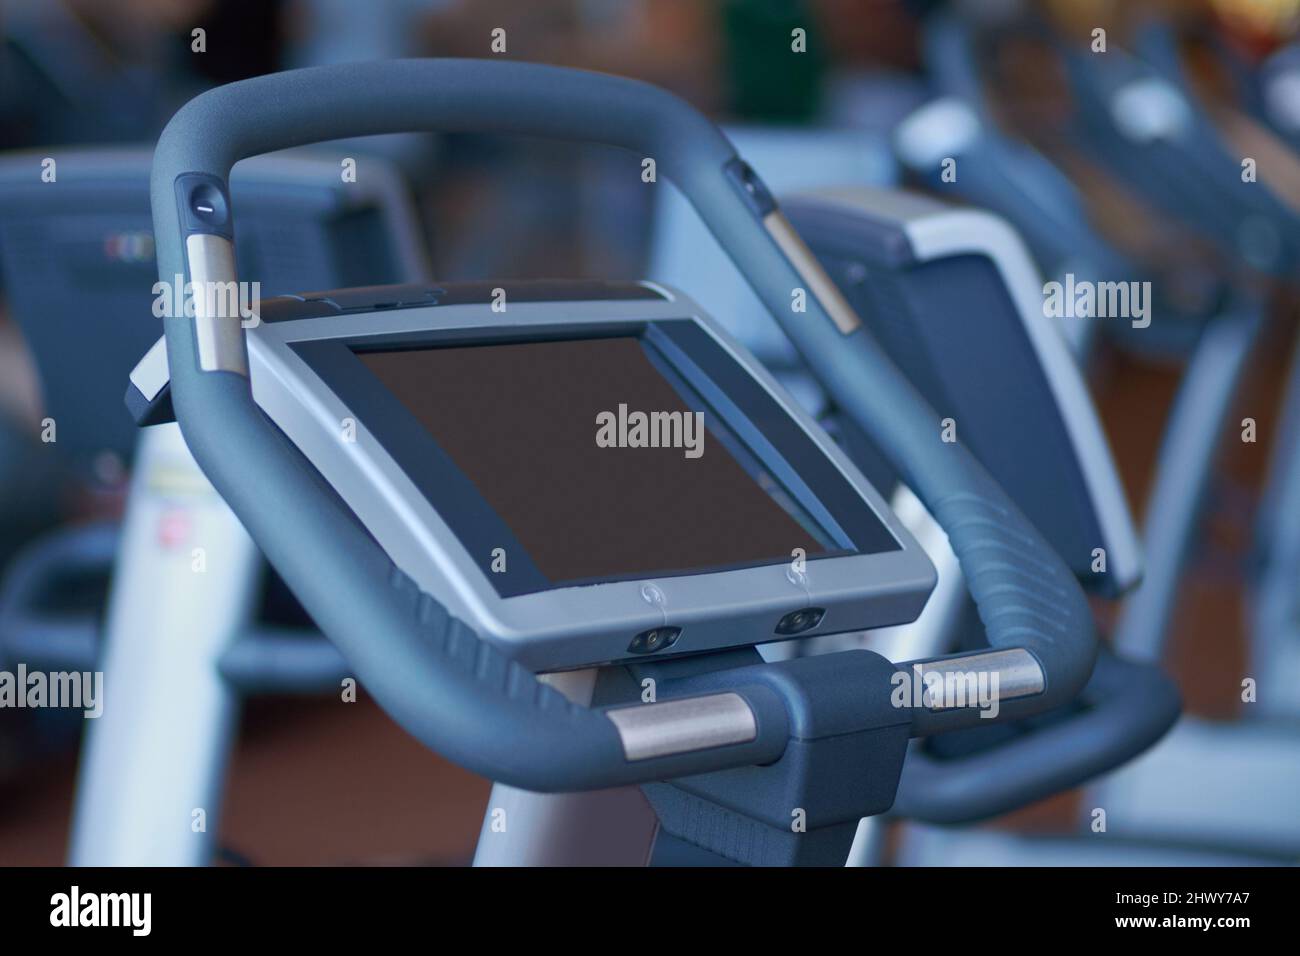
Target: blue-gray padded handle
1129	705
435	676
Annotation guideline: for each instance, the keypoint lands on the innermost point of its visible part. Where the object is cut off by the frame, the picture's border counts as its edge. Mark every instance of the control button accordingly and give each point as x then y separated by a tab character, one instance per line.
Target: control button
655	639
208	205
804	619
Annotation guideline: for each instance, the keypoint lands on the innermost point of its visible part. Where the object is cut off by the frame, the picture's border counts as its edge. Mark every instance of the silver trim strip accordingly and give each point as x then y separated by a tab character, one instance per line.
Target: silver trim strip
1019	674
220	337
806	264
682	726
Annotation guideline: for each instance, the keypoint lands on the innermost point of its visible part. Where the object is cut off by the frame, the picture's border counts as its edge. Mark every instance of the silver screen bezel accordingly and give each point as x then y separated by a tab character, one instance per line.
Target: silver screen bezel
569	627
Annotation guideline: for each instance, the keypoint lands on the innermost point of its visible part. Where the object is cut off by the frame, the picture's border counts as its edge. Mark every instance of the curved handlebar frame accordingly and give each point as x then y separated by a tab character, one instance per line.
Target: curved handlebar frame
452	690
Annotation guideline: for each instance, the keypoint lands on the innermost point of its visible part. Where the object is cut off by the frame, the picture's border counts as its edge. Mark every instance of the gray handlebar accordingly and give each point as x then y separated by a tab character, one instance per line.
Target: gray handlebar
436	677
1128	706
215	130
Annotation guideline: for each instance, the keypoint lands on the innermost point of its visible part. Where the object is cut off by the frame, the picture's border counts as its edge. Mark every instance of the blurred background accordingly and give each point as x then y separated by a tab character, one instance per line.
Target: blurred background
882	90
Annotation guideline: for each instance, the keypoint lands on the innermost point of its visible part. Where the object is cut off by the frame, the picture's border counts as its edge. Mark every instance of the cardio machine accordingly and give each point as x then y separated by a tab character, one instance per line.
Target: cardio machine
77	258
951	293
1275	652
1156	798
425	472
1212	329
1137	114
1267	91
1248	807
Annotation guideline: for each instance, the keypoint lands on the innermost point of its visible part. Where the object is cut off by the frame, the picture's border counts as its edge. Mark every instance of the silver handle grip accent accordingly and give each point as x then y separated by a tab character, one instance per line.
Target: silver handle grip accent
681	726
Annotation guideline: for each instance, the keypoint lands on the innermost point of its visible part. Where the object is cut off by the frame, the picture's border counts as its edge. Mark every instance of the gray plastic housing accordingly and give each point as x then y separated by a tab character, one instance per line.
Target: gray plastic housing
952	294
